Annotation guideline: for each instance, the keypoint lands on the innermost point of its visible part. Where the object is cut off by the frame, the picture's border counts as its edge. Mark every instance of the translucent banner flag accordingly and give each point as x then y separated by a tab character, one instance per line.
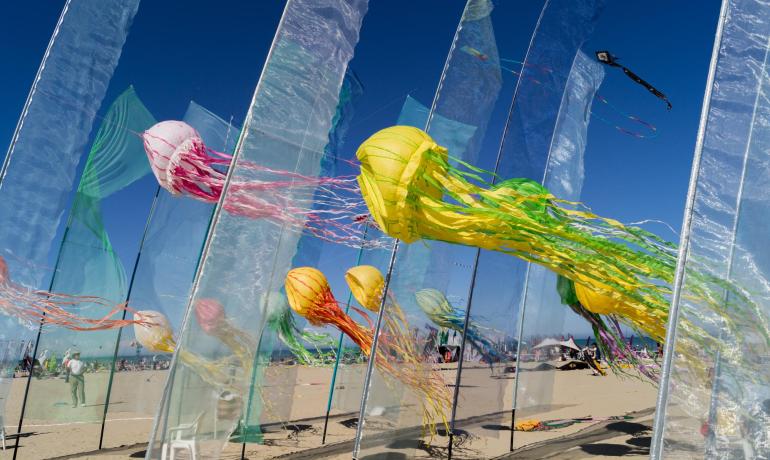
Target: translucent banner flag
246	258
713	400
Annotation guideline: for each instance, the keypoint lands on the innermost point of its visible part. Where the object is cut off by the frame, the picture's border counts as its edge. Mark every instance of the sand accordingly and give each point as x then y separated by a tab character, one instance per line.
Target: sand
60	429
483	414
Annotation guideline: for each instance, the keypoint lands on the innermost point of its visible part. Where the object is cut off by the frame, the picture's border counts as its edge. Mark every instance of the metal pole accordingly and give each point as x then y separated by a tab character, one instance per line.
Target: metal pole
339	349
373	356
656	450
528	272
254	366
461	358
128	297
26	391
518	360
37	340
498	160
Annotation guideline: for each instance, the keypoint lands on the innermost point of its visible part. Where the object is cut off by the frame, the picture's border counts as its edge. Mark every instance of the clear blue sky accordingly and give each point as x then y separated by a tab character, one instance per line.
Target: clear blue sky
219	60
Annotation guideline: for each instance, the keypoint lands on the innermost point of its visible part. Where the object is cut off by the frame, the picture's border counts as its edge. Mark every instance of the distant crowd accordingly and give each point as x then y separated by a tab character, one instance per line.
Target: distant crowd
50	366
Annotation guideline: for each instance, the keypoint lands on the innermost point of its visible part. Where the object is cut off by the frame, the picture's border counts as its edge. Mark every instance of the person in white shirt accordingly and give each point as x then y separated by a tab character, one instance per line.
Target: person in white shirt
77	369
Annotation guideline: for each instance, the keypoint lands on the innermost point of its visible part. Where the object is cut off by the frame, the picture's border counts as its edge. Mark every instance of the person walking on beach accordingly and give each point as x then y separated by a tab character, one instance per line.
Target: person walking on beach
77	369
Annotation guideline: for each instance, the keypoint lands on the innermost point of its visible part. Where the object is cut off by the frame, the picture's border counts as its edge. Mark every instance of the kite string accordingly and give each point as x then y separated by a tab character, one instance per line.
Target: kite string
632	118
542	69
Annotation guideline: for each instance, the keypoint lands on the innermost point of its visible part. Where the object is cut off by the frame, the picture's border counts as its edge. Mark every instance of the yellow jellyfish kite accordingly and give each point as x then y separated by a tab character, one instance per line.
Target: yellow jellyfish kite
368	287
413	192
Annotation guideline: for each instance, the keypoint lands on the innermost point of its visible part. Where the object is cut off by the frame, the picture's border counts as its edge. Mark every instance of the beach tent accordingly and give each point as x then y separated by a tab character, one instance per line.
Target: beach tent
548	343
569	344
558	343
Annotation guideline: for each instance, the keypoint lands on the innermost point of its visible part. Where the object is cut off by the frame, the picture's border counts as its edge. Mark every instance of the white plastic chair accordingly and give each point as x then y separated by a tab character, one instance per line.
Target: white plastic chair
2	429
181	437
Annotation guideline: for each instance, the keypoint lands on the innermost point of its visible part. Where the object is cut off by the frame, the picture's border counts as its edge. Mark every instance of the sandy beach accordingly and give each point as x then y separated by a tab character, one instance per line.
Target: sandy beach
482	429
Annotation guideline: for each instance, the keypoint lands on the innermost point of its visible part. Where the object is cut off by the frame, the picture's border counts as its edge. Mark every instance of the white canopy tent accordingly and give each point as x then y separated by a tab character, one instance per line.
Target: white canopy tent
558	343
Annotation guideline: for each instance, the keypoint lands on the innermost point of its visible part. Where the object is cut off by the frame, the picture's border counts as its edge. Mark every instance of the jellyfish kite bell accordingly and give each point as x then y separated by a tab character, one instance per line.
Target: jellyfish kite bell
154	333
367	285
594	308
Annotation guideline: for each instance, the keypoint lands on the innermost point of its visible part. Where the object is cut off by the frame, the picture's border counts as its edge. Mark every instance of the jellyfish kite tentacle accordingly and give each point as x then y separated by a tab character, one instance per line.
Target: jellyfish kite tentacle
153	331
328	208
281	320
291	336
32	306
438	309
210	314
367	285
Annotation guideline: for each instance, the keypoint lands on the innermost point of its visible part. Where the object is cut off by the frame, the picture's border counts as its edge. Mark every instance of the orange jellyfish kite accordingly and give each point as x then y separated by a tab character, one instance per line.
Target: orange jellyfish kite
310	296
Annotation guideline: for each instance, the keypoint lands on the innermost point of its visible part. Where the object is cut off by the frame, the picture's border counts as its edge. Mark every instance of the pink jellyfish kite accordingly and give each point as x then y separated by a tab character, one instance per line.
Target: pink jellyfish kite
328	208
31	306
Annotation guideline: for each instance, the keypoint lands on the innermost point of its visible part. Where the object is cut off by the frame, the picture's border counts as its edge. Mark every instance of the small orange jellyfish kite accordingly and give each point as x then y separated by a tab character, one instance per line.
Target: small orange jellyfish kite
310	296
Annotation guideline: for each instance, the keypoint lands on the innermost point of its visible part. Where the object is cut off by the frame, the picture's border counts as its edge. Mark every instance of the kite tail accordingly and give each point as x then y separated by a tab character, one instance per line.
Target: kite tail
612	344
210	372
483	345
57	309
241	343
292	337
397	345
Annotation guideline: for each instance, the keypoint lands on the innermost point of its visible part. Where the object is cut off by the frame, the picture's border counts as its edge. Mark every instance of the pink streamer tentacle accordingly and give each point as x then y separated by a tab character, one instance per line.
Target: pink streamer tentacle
329	208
